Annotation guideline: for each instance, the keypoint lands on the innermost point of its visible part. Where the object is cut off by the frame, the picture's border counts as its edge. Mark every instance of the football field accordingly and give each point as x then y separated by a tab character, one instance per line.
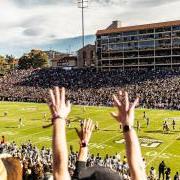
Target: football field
156	145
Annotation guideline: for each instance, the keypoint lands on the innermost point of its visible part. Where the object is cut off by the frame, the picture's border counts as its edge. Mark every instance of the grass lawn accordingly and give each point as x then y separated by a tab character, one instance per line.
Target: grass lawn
156	146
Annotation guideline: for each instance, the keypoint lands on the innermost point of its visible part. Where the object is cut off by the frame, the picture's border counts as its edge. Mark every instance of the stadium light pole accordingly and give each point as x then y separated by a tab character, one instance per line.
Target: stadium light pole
83	4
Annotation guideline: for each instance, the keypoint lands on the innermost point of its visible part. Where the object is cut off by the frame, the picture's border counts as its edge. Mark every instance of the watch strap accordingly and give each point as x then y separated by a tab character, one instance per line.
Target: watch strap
127	128
84	143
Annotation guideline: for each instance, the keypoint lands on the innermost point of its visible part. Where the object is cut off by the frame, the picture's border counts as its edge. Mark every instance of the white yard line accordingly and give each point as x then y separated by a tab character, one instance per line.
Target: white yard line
41	141
162	150
96	132
14	129
32	134
106	140
76	138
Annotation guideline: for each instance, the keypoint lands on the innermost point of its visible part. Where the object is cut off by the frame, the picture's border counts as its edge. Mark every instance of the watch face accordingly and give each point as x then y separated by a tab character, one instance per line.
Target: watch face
126	128
84	144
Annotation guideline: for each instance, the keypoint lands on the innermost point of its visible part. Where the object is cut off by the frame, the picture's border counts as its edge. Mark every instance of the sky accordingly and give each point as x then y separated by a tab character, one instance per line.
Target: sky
26	24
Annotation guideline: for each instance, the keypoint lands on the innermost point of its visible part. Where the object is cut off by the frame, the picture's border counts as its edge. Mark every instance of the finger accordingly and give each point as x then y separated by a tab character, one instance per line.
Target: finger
51	94
120	93
92	127
116	101
88	124
135	103
120	97
57	95
84	125
114	115
62	95
122	100
126	101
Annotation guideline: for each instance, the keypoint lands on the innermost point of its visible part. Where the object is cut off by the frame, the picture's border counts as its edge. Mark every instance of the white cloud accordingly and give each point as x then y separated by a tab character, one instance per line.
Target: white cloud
34	22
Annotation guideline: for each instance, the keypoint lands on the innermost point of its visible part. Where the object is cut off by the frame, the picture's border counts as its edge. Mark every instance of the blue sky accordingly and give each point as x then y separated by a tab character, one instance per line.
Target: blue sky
26	24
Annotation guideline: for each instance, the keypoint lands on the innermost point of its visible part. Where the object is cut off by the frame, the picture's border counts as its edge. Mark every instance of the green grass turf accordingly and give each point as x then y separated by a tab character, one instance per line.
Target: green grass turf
103	141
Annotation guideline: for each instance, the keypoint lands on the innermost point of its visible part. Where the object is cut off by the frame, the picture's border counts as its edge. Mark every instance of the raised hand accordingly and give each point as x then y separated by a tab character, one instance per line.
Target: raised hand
59	111
58	106
86	131
125	113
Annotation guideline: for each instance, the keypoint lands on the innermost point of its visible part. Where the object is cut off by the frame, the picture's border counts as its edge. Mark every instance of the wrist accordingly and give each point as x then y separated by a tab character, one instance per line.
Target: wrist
127	124
127	128
83	144
57	118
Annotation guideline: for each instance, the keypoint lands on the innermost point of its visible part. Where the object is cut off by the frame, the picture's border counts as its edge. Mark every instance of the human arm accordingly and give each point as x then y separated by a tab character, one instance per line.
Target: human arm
125	116
85	136
59	111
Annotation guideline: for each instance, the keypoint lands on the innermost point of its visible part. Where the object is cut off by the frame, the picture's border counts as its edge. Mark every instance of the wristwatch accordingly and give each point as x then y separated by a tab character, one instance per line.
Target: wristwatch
84	143
127	128
56	117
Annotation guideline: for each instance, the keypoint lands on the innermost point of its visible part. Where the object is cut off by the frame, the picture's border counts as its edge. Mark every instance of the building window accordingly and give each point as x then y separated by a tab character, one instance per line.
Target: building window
92	57
92	54
84	58
175	28
84	54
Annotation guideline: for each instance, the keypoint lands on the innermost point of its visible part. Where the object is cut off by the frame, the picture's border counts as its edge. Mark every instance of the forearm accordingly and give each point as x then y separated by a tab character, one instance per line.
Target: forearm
60	152
81	162
83	153
134	156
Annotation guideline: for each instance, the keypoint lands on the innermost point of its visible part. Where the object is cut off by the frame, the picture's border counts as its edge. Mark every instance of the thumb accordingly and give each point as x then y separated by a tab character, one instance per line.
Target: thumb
135	103
114	115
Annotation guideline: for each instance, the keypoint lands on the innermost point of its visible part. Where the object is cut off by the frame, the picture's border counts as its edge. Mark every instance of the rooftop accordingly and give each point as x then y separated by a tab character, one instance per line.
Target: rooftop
138	27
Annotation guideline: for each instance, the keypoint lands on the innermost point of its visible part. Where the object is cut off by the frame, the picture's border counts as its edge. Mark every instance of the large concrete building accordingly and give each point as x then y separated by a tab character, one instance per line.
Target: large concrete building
143	46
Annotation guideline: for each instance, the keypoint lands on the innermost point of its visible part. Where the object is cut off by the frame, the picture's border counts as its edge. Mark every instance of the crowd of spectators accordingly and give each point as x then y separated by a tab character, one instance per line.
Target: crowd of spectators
156	88
37	163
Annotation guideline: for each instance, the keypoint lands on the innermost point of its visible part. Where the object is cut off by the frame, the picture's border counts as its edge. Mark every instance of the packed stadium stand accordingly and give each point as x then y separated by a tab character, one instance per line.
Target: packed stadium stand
156	88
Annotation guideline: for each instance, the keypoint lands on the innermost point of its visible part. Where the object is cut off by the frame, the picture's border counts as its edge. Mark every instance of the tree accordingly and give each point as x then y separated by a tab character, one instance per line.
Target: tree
2	64
2	60
11	61
35	59
25	62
